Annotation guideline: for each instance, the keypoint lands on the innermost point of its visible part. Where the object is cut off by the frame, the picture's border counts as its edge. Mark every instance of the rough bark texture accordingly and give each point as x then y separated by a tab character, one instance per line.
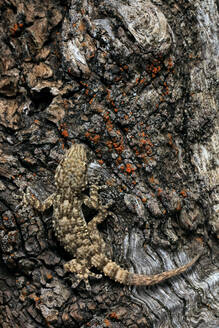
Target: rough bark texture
136	81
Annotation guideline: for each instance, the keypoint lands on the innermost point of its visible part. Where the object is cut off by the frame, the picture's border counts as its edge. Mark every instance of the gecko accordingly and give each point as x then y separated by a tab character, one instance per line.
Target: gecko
80	239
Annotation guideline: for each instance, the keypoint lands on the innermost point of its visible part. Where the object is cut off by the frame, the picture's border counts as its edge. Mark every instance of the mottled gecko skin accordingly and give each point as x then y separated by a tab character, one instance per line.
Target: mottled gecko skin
83	240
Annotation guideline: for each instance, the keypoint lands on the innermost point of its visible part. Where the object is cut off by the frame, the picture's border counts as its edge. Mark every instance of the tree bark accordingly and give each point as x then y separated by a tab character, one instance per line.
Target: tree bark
137	82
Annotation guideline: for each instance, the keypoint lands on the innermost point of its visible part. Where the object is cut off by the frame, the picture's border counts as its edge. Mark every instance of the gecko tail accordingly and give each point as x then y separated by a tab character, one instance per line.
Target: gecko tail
115	272
143	280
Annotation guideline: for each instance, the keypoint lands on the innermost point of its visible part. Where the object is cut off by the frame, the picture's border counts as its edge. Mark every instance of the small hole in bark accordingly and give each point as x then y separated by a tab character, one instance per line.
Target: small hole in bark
41	100
89	213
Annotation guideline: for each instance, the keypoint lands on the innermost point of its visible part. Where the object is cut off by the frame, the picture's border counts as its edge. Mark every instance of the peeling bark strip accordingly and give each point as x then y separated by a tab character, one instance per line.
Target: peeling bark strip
136	82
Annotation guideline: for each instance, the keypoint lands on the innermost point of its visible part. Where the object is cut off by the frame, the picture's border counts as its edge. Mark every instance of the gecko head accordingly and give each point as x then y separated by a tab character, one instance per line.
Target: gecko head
72	170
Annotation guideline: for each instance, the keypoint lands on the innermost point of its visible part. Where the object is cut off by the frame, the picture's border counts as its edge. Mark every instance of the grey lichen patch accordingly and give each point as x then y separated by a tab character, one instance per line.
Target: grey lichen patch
51	299
135	28
147	24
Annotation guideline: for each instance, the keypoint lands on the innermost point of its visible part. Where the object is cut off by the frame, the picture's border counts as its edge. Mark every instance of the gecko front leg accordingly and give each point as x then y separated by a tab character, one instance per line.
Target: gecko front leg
92	201
30	198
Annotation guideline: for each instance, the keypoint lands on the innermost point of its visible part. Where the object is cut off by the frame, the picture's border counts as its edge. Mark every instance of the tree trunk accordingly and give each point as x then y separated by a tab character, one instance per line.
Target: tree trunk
137	82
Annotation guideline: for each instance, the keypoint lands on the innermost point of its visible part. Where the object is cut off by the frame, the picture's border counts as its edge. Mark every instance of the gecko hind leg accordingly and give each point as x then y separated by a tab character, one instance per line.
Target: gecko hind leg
81	273
101	216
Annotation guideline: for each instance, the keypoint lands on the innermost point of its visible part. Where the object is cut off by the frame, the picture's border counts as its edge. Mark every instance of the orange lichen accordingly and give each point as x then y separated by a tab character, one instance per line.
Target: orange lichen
143	141
92	99
49	276
112	103
142	81
107	322
109	144
113	315
87	134
118	160
96	138
106	116
152	180
81	26
34	297
65	133
111	182
170	64
109	126
92	137
129	169
183	193
16	28
166	89
119	147
148	141
154	68
84	84
110	100
159	191
178	206
170	139
37	299
199	240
